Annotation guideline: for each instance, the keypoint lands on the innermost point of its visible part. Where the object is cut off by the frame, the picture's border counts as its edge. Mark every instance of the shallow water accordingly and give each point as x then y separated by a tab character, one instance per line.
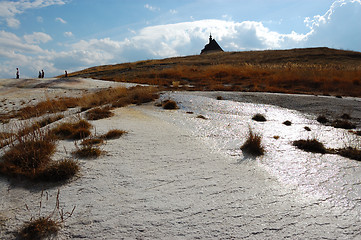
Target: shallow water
176	176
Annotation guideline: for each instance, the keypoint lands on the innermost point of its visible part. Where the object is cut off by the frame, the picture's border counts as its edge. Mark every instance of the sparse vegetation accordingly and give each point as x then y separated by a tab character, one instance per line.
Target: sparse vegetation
169	105
59	171
202	117
322	119
253	145
39	228
98	113
350	152
343	124
307	129
310	145
87	151
92	141
287	123
113	134
259	118
72	131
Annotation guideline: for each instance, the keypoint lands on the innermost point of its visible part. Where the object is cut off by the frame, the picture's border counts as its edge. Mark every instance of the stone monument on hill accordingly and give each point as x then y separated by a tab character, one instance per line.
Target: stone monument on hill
211	47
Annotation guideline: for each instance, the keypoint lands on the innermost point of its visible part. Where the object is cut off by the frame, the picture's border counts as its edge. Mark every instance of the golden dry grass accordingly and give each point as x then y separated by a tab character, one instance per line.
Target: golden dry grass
312	71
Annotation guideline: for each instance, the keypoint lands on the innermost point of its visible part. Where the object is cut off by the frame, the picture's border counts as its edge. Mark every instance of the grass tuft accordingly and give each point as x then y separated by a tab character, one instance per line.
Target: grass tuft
59	171
322	119
113	134
40	228
343	124
98	113
72	131
169	105
310	145
253	145
92	141
87	151
350	152
259	118
287	123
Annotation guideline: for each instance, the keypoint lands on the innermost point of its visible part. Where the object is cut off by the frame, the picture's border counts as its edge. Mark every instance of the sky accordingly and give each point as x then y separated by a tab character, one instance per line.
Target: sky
59	35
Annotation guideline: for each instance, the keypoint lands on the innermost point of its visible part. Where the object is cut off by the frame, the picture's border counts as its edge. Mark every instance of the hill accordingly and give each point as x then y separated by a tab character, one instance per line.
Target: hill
307	70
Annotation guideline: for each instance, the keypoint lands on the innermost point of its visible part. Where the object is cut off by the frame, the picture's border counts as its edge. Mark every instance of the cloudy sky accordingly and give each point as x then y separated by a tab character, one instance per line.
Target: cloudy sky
58	35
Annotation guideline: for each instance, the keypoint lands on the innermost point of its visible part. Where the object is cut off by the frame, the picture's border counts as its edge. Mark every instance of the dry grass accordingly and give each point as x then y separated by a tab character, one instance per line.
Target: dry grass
350	152
169	105
113	134
59	171
310	145
92	141
87	151
312	71
259	118
98	113
253	145
40	228
72	131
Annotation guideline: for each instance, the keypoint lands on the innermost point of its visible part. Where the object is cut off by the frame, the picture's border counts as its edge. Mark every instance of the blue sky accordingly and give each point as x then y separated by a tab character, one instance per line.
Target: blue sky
58	35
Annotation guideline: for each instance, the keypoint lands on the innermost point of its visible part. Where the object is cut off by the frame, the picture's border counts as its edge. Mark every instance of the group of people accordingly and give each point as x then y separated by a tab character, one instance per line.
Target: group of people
41	74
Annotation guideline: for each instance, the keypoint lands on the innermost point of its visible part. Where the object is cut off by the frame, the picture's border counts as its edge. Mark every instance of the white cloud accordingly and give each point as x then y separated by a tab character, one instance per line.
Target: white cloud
9	9
58	19
173	11
39	19
151	8
68	34
37	37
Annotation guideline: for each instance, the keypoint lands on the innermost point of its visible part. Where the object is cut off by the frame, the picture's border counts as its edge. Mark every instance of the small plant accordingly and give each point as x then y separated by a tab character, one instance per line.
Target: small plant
322	119
219	98
44	227
253	145
98	113
350	152
72	131
87	151
113	134
59	171
343	124
287	123
202	117
169	105
310	145
92	141
259	118
307	129
345	116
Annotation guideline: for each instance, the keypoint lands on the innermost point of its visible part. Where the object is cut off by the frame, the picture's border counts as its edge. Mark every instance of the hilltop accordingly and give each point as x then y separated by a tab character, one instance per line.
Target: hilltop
308	70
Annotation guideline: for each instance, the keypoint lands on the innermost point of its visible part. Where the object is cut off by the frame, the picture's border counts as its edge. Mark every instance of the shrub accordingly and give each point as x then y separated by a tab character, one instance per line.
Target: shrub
322	119
343	124
28	156
202	117
59	171
307	129
287	123
310	145
113	134
253	145
98	113
40	228
72	131
350	152
259	118
87	151
219	98
170	105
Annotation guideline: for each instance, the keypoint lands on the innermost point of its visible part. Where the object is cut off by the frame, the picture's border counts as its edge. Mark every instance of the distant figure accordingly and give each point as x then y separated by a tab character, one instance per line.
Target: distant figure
66	73
17	73
42	73
39	76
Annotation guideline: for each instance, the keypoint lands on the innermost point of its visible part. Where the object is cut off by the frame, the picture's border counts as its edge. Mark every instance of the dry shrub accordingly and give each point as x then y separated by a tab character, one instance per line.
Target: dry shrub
29	155
310	145
287	123
113	134
59	171
169	105
253	145
343	124
98	113
72	131
87	151
322	119
350	152
259	118
40	228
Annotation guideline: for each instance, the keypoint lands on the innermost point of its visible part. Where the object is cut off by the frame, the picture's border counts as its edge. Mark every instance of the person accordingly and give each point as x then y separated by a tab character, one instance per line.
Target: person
42	73
66	73
17	73
39	76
